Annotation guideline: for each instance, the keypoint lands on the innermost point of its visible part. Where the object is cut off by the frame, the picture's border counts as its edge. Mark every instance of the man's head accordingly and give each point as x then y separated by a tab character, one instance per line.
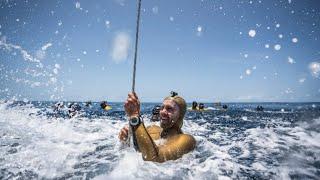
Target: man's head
172	112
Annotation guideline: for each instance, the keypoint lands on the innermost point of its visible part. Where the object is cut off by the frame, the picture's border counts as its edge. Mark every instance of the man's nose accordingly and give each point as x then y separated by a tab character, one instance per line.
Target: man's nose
163	111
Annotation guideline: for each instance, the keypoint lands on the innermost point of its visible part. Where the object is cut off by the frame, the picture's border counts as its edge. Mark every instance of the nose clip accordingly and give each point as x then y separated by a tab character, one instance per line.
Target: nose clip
173	94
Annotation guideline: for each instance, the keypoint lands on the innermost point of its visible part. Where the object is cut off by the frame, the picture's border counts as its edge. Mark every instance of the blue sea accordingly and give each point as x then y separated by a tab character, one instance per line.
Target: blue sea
40	142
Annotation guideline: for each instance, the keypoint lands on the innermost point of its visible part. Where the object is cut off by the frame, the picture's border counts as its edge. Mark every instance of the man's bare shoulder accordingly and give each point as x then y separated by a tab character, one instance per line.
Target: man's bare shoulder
186	137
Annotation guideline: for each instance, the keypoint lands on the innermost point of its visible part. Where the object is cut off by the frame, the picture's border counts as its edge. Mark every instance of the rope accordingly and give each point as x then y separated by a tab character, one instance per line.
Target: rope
136	47
135	145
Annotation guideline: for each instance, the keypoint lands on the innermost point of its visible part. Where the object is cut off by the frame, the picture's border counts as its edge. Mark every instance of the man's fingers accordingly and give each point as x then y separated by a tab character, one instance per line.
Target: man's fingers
124	132
135	95
123	135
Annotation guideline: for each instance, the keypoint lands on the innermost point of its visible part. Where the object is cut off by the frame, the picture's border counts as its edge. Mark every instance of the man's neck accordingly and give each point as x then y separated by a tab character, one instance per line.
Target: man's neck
169	132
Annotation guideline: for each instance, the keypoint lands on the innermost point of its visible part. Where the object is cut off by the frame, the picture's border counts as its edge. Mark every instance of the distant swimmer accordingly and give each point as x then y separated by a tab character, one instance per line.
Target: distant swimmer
104	105
174	143
88	103
201	106
259	108
198	107
156	113
224	107
194	105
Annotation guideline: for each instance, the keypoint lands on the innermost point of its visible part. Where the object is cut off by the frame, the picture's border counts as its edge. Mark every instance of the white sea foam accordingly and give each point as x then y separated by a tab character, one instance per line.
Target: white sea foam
54	147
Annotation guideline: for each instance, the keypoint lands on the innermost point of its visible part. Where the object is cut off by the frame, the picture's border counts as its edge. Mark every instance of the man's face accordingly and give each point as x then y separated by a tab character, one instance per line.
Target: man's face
169	114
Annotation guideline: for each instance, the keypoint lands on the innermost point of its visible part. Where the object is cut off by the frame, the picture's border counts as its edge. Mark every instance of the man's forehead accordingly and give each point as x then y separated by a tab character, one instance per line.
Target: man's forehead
169	102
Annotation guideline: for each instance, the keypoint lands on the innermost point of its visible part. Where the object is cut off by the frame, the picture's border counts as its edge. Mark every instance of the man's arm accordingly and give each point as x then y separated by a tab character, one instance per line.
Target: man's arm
174	148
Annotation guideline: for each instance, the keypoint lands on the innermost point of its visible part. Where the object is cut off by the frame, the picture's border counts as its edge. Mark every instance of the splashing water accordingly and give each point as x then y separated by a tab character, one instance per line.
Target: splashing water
38	142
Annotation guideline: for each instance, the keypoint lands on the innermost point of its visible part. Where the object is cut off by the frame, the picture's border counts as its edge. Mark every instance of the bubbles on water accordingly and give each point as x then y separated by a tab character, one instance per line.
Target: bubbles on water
280	36
278	25
25	54
266	45
288	91
294	40
46	46
35	84
314	68
155	10
57	66
248	72
171	18
107	24
277	47
301	80
199	30
53	80
291	60
252	33
41	53
77	5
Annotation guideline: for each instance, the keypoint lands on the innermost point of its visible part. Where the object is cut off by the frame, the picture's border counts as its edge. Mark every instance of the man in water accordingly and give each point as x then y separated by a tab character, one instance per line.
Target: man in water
156	113
201	106
194	105
175	143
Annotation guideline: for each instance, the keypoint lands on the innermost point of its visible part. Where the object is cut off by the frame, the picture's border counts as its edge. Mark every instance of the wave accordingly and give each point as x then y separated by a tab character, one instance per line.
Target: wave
230	145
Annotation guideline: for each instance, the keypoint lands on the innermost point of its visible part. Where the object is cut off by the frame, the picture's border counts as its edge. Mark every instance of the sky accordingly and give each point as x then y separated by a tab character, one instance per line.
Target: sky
206	50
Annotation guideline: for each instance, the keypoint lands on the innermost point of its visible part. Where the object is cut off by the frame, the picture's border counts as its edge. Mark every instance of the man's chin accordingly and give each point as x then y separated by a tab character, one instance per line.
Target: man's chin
165	125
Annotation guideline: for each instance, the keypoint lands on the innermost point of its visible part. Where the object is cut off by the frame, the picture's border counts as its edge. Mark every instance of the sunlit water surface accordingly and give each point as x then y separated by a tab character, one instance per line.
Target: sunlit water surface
283	142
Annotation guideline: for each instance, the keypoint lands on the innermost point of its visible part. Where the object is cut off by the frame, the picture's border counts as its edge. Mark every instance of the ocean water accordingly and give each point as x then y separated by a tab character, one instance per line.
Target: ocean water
283	142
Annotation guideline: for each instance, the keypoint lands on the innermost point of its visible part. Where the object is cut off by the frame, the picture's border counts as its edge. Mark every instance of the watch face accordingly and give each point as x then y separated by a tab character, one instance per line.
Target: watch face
134	121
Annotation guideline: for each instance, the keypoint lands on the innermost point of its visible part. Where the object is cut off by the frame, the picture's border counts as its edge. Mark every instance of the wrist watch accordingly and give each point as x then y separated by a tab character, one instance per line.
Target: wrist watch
136	120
